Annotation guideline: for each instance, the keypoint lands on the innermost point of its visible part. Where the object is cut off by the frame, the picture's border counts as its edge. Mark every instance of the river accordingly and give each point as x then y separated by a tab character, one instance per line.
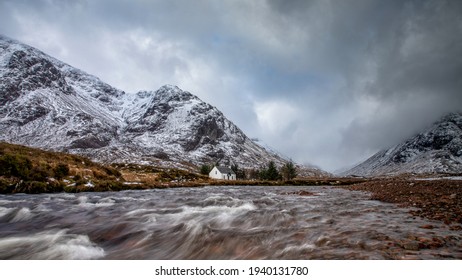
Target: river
219	222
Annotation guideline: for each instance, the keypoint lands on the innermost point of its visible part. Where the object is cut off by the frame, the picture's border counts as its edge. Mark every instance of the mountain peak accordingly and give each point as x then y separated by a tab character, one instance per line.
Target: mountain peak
170	93
455	118
438	149
8	40
170	88
167	127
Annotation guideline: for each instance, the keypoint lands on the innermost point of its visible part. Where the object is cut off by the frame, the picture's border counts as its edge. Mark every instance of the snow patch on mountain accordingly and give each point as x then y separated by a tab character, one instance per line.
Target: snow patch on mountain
438	149
49	104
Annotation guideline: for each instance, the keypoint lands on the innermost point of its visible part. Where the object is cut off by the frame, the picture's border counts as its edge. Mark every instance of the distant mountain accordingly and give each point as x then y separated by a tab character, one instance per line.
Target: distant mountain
438	149
48	104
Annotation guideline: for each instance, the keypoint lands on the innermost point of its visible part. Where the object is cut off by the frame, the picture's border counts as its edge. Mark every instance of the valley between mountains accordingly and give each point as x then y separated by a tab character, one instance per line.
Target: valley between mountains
63	130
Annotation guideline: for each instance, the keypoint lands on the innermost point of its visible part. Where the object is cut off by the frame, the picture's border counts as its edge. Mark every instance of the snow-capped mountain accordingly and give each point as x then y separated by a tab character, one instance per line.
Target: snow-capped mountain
436	150
48	104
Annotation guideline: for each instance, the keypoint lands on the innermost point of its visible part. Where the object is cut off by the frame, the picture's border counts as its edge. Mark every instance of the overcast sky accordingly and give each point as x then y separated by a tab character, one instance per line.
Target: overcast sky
323	82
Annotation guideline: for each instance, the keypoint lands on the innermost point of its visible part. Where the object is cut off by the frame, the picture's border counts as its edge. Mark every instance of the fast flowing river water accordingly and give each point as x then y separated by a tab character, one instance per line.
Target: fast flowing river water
218	223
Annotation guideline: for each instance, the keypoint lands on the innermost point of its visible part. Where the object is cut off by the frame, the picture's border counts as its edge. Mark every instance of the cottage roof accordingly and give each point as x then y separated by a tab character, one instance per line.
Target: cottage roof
225	170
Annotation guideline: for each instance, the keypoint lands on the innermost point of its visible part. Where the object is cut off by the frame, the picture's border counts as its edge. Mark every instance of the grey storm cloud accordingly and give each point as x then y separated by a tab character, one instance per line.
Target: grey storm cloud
324	82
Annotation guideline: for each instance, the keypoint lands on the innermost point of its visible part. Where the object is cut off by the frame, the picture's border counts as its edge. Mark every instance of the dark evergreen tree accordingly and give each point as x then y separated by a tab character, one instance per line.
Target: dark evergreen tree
289	171
240	173
205	169
270	172
262	174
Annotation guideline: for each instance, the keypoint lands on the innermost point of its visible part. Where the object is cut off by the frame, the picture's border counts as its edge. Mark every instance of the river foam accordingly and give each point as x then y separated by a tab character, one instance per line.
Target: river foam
49	245
232	222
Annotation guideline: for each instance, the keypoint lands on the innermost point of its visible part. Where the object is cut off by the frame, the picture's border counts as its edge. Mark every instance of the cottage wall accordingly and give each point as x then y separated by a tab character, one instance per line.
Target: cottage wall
215	173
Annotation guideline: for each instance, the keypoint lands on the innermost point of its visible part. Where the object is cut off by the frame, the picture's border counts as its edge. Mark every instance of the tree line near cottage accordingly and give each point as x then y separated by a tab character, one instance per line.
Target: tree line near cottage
30	170
270	172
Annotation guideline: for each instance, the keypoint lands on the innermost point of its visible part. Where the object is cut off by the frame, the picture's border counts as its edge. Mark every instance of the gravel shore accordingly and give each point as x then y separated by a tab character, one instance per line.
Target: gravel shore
434	199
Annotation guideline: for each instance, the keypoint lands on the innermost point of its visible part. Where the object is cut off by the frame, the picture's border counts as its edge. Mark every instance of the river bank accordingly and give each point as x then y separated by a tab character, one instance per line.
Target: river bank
436	199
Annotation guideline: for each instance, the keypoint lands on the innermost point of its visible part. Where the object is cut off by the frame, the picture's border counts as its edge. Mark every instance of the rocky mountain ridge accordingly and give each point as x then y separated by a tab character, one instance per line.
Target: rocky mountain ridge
48	104
438	149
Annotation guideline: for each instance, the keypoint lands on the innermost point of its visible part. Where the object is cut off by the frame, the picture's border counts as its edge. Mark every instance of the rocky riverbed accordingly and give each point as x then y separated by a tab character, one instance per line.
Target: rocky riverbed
436	199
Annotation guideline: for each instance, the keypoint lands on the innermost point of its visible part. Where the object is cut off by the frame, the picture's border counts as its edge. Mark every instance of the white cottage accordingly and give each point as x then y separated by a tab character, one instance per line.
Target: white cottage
222	173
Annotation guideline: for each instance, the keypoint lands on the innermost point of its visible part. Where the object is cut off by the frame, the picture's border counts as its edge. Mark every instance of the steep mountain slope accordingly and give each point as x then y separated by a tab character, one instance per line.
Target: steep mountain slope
177	123
48	104
436	150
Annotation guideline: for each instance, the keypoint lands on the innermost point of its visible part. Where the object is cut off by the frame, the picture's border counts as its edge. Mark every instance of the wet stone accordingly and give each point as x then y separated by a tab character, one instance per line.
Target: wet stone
412	246
427	227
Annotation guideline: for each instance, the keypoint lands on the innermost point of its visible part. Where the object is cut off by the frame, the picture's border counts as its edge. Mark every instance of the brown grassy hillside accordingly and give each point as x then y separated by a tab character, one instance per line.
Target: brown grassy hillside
29	170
